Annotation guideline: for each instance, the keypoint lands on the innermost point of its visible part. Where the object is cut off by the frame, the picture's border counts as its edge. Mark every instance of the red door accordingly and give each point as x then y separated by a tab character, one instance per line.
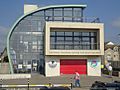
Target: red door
70	66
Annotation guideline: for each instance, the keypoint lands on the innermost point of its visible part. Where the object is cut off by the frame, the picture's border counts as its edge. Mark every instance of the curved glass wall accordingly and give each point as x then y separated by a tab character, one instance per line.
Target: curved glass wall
26	45
26	42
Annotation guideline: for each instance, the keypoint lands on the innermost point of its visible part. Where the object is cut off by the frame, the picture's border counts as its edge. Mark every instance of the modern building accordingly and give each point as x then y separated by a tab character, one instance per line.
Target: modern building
56	40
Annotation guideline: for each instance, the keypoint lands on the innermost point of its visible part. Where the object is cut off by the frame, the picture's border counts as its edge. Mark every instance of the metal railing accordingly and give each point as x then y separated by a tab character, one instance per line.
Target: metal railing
73	19
36	87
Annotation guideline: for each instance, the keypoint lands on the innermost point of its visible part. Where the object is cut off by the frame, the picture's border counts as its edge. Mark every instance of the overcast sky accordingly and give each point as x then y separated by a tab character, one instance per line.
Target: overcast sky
107	10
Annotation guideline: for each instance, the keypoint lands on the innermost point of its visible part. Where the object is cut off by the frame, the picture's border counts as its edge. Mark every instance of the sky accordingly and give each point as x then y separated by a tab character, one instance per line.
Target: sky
107	10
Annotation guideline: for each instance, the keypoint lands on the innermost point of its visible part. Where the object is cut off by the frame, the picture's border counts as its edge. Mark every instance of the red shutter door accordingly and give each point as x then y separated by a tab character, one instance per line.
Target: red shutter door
70	66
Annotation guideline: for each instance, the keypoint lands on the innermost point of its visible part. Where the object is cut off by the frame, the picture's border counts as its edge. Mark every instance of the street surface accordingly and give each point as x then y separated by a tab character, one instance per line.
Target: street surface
37	79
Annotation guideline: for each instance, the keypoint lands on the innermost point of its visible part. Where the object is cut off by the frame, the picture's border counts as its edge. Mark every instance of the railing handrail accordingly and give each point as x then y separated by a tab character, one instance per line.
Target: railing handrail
73	19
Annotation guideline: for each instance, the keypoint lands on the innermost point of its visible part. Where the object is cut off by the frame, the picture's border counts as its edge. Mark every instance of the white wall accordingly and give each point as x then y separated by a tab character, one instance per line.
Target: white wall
52	71
92	70
29	8
56	70
94	67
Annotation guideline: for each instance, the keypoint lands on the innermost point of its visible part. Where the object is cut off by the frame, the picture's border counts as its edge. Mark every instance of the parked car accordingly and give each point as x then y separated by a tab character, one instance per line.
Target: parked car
105	86
56	88
97	85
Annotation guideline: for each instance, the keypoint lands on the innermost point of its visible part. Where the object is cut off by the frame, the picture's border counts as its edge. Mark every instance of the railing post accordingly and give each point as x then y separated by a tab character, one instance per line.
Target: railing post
1	84
71	83
49	82
28	83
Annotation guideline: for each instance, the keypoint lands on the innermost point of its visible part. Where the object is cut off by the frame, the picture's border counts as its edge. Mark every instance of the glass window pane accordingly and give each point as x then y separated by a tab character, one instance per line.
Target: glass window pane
76	33
60	39
77	12
68	33
52	40
85	33
48	12
52	33
60	33
68	12
58	12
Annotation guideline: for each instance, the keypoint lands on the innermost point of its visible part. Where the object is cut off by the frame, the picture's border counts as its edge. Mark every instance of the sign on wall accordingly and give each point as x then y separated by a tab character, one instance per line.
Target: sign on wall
20	66
93	63
52	64
94	67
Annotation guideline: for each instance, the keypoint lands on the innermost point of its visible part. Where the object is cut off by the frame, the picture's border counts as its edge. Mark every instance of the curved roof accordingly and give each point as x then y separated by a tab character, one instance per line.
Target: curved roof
42	8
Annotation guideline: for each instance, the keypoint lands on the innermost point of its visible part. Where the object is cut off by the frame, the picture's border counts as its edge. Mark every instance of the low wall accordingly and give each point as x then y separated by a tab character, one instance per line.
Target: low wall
14	76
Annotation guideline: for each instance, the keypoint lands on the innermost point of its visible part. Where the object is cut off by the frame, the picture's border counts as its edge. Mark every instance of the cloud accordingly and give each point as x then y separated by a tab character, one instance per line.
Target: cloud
116	23
3	37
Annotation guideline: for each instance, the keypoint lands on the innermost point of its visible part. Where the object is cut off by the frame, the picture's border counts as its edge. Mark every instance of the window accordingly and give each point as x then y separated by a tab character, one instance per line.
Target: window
73	40
52	33
21	56
60	33
114	56
60	39
68	34
116	49
57	14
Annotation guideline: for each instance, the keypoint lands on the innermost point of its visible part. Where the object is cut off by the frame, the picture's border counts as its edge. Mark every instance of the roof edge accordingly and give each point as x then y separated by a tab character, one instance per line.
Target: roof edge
59	6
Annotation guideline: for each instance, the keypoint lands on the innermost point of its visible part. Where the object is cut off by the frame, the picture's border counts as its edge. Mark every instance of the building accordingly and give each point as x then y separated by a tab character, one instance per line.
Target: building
111	52
56	40
4	56
112	55
4	65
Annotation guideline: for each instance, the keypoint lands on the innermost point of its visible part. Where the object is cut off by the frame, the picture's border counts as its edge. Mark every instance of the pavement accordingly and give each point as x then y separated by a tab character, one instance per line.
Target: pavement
37	79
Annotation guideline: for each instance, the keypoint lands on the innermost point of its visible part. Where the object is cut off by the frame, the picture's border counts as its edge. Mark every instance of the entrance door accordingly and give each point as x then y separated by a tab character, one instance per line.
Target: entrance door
70	66
34	65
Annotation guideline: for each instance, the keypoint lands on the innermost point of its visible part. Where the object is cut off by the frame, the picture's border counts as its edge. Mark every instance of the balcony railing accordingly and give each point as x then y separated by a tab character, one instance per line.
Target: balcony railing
72	19
59	46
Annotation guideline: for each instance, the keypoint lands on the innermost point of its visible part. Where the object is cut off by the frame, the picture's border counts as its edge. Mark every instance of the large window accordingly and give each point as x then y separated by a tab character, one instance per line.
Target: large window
64	14
66	40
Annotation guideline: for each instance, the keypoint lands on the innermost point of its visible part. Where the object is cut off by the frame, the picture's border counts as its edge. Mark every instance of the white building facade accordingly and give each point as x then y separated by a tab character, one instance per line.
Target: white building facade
71	56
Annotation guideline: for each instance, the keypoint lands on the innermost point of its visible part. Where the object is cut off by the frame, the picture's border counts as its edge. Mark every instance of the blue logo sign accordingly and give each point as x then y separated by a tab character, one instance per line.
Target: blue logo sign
93	63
